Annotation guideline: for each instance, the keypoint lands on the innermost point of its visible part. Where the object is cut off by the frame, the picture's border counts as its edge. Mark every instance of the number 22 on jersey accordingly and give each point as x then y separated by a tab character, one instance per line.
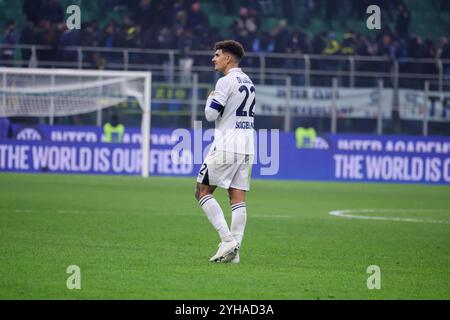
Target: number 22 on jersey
241	112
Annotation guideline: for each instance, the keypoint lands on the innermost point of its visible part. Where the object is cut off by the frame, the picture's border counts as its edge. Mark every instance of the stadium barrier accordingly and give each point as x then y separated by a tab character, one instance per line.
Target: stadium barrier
304	69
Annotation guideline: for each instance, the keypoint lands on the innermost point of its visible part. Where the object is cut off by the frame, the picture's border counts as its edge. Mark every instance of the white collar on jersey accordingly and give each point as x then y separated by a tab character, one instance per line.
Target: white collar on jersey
234	70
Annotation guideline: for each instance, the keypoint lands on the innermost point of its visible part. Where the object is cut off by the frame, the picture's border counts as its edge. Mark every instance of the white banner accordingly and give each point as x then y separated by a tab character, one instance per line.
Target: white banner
412	105
317	102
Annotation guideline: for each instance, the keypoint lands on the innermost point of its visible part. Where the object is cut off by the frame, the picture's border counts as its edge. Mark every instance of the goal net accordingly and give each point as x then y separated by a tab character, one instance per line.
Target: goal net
59	92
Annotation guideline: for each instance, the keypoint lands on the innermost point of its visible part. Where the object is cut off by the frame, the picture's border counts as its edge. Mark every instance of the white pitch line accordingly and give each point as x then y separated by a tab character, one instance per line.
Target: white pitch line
349	214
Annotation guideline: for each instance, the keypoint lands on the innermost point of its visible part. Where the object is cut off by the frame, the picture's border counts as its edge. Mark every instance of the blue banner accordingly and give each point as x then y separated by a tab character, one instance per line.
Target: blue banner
302	155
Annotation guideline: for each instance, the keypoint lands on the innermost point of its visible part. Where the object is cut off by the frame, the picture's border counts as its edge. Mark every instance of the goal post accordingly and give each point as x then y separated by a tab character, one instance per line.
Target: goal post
32	92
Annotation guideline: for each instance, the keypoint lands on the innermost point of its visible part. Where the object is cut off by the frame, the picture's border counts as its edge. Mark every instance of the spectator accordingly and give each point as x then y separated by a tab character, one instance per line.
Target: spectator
401	52
68	38
298	42
186	41
9	39
184	18
177	7
130	34
348	49
253	23
416	50
318	43
386	47
196	18
281	36
47	35
90	36
332	46
443	47
245	27
348	45
364	47
180	22
297	45
317	47
430	52
165	40
27	37
263	43
110	39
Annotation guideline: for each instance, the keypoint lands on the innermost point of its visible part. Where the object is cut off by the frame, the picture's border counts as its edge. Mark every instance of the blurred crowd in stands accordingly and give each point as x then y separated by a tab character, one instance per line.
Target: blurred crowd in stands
184	25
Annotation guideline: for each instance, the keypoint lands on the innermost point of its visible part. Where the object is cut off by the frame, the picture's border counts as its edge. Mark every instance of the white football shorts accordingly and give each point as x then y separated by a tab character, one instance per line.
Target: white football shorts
226	169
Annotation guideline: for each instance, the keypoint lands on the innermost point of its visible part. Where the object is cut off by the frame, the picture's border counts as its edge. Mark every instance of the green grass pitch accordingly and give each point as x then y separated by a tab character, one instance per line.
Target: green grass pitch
136	238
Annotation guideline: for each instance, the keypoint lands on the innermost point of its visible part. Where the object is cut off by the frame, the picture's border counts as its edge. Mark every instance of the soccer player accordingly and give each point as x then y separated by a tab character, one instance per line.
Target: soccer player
228	163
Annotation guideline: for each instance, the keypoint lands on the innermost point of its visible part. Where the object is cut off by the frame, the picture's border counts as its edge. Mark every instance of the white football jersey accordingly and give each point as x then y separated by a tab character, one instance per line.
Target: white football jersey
232	106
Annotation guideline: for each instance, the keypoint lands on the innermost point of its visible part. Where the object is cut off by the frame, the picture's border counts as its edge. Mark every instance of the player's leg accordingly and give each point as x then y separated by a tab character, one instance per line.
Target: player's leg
238	217
228	245
203	190
237	192
212	209
214	172
238	213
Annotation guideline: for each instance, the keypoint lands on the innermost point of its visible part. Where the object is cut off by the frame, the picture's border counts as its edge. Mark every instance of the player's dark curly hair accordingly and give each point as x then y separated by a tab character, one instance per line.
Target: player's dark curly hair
230	46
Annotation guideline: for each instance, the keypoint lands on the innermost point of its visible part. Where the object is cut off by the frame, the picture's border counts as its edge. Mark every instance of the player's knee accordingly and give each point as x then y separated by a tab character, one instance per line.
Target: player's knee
236	196
197	193
232	199
200	193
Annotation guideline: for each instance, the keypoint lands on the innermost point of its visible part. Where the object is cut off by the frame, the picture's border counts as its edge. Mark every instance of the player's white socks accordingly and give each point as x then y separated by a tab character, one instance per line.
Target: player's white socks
215	215
238	220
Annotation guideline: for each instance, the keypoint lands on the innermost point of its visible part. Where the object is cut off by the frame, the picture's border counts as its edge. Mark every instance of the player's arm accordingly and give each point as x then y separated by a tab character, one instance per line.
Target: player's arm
216	101
213	108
